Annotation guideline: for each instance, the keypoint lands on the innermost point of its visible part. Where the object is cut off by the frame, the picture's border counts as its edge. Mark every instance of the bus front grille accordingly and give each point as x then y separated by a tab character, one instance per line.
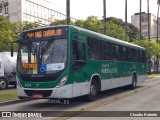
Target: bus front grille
44	93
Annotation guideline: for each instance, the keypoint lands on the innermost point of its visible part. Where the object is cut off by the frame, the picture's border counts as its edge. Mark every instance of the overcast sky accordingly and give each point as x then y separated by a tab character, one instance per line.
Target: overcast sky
80	9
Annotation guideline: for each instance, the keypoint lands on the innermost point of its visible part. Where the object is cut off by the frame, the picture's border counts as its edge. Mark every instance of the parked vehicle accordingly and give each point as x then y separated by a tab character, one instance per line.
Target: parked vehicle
7	69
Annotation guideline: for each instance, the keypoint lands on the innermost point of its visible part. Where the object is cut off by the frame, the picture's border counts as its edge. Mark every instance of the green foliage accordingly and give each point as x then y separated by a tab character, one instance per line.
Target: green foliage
115	31
18	27
79	23
11	31
6	34
115	27
133	32
93	23
152	49
60	22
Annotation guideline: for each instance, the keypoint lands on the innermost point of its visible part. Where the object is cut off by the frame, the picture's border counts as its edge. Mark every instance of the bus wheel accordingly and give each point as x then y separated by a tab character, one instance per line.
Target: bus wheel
93	91
3	84
134	83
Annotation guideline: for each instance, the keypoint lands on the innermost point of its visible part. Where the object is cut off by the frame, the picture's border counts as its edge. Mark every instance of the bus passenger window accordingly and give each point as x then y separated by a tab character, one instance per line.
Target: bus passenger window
124	53
105	50
78	51
115	52
93	48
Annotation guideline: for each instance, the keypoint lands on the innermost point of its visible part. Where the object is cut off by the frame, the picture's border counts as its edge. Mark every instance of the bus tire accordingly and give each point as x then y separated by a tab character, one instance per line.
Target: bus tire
134	82
3	83
21	98
93	92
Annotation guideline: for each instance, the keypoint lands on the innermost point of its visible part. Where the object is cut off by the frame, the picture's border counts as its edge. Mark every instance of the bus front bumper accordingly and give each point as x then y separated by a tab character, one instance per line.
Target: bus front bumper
61	92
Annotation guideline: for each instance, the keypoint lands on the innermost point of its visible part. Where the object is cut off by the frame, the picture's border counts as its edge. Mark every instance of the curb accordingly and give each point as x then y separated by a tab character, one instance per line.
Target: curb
15	101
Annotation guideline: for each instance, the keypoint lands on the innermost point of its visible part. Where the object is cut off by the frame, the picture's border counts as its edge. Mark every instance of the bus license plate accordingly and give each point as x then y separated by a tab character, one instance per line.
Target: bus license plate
37	96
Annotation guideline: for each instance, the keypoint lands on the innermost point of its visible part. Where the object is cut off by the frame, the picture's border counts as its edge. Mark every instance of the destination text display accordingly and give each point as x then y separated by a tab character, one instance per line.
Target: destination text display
44	33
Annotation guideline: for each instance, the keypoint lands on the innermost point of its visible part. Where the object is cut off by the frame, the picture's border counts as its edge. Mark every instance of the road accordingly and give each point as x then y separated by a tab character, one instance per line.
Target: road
10	88
145	98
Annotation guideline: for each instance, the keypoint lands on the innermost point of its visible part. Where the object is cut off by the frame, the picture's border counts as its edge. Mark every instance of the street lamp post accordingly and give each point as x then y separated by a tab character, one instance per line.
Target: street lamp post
140	20
157	37
104	16
126	20
68	11
148	20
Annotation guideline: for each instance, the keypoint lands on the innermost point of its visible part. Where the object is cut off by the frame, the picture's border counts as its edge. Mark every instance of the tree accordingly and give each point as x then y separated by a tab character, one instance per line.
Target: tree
116	31
93	23
18	27
7	34
60	22
132	31
116	27
79	23
152	50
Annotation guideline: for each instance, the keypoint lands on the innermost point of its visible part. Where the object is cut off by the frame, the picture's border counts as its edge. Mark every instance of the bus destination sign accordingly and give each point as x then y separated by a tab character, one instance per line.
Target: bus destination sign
44	33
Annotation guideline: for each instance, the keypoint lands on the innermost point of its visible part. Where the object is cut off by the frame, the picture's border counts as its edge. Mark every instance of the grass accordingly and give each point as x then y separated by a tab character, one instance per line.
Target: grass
153	75
8	95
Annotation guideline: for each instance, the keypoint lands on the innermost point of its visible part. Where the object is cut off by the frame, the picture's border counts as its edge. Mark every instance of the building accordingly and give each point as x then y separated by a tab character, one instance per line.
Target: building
29	10
144	18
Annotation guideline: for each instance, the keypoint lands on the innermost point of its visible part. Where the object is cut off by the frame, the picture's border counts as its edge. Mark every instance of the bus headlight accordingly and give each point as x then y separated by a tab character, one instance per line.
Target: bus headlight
62	82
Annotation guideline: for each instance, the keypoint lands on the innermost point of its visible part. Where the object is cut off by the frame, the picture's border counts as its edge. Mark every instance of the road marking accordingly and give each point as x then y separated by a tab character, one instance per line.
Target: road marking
105	102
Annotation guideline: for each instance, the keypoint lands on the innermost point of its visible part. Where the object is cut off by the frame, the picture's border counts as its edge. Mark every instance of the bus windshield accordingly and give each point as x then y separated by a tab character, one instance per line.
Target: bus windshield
42	56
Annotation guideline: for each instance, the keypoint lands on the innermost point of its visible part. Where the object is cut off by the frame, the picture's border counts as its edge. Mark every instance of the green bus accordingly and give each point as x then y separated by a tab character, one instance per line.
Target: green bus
68	61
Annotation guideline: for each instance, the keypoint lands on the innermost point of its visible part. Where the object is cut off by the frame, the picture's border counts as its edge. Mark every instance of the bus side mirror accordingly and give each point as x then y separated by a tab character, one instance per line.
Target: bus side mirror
12	50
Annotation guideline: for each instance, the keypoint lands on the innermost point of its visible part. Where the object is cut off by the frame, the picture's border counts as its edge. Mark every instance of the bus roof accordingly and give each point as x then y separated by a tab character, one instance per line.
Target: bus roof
97	35
107	38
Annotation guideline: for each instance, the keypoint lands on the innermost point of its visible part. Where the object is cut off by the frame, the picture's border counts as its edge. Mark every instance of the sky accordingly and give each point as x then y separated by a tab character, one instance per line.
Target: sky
81	9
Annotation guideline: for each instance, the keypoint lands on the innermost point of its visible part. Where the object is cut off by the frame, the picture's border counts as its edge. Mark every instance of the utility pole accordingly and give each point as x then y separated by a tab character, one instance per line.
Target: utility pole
149	59
104	16
140	20
157	23
148	21
126	20
68	11
157	39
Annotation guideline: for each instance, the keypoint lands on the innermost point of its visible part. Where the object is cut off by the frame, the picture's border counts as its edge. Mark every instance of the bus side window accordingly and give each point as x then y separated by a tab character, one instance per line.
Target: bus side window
130	56
78	51
105	50
137	56
133	55
124	53
115	52
93	48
